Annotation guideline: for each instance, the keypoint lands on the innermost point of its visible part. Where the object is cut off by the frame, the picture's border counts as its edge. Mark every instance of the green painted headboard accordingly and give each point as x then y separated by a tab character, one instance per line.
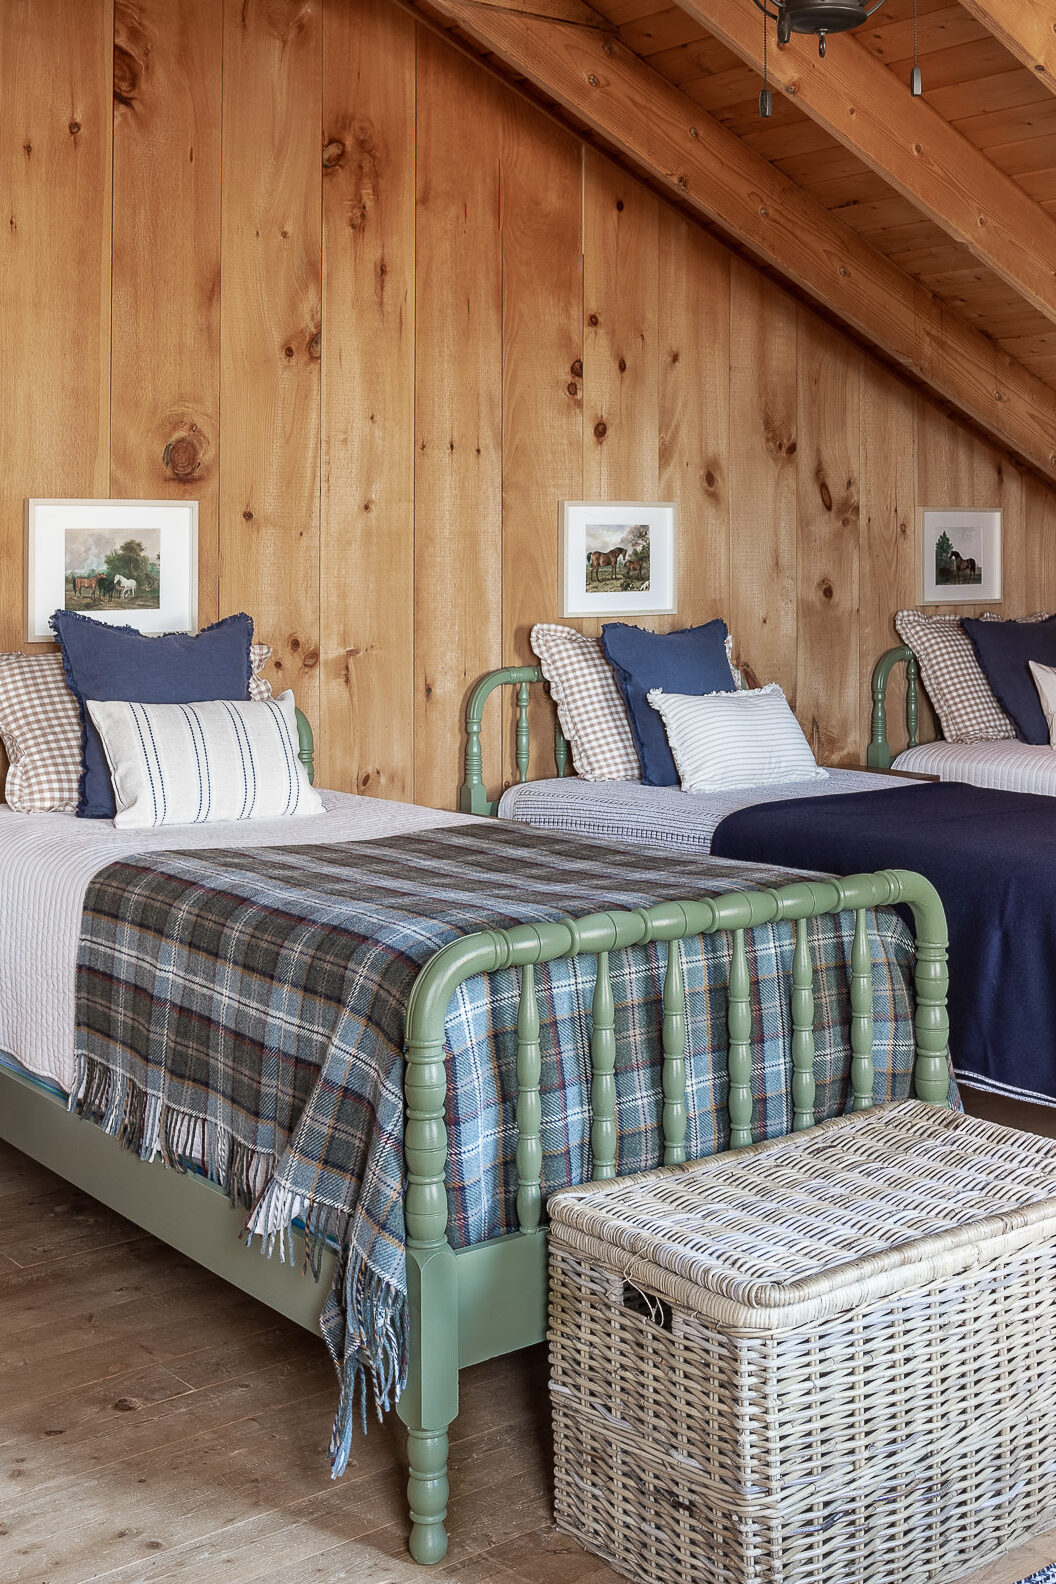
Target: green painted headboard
878	755
472	794
306	744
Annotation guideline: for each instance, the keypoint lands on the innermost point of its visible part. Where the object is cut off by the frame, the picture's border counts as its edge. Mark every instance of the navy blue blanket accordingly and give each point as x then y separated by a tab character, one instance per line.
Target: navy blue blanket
992	858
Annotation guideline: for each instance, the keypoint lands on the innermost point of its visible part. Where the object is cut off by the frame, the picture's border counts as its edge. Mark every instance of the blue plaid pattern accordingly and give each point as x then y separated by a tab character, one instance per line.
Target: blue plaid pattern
245	1012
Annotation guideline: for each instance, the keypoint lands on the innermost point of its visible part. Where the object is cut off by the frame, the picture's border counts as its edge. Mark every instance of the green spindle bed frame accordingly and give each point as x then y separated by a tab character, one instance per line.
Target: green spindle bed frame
474	1303
878	754
472	794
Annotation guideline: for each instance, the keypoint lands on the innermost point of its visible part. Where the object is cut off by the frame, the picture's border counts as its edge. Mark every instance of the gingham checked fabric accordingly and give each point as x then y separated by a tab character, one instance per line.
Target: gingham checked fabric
953	678
259	687
41	728
40	725
593	716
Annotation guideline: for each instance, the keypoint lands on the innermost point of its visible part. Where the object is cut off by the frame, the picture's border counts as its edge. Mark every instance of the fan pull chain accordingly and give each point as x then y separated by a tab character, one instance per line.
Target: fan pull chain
766	98
916	81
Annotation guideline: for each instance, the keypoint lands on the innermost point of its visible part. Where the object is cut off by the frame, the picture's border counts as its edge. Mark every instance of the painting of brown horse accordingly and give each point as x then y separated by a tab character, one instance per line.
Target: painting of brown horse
606	558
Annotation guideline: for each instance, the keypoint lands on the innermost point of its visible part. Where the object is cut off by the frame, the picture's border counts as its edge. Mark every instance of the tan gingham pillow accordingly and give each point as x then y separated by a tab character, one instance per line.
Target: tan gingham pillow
259	687
40	724
953	678
593	716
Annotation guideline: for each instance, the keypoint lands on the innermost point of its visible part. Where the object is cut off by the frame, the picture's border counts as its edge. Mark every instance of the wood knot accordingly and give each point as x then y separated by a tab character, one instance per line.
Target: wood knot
73	128
368	505
333	154
601	429
826	589
826	494
128	1404
592	320
295	644
182	457
247	515
315	346
287	351
710	479
127	72
573	388
310	659
622	365
577	368
619	205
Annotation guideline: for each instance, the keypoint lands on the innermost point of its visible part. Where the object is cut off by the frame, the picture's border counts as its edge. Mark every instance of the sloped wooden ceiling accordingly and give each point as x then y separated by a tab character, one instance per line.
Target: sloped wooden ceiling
928	227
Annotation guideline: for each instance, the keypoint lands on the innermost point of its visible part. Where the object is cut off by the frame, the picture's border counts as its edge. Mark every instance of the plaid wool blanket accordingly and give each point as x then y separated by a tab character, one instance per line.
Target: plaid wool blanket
243	1012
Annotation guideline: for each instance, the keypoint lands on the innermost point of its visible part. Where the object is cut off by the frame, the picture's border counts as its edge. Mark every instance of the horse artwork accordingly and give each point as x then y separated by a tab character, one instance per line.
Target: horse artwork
954	561
617	558
109	567
606	558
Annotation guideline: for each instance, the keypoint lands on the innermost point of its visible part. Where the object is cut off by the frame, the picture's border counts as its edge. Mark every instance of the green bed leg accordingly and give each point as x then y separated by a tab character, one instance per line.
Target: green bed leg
430	1399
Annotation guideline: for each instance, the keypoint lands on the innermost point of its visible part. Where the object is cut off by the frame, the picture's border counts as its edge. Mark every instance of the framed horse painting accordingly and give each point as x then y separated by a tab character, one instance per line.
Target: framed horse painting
618	558
127	562
960	556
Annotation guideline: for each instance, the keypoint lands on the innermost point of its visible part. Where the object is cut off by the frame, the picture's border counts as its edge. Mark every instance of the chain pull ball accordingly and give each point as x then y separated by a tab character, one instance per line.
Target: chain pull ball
821	44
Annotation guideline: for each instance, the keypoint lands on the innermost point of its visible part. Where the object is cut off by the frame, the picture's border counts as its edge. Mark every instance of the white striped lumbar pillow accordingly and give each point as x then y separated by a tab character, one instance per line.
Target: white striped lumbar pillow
721	740
189	764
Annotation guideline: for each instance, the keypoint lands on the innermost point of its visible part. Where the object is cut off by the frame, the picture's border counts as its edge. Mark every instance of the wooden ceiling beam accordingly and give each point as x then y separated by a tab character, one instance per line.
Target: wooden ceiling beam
906	142
654	126
1027	29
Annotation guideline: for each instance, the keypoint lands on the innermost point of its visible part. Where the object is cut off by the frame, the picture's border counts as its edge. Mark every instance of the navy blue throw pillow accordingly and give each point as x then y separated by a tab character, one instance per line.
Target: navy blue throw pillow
107	663
1005	650
691	661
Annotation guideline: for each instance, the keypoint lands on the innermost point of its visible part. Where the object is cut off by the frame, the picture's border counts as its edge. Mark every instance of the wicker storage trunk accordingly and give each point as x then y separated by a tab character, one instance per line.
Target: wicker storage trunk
827	1359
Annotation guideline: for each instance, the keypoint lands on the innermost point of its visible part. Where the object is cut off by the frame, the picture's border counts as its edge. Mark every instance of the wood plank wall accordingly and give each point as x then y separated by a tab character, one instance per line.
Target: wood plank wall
300	260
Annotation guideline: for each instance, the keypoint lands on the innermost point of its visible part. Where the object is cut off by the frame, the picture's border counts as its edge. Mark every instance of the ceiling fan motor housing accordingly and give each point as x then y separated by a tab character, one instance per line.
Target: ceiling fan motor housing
822	16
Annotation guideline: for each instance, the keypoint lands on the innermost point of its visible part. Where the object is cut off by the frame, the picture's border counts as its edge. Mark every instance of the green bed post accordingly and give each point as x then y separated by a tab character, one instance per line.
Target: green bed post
878	754
472	794
306	745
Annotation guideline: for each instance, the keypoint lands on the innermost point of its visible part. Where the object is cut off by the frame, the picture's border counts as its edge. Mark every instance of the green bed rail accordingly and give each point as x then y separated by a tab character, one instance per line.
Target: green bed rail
430	1401
878	754
306	744
472	794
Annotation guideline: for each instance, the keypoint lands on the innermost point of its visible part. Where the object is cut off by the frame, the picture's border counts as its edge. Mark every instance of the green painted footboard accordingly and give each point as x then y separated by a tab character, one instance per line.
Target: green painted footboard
481	1301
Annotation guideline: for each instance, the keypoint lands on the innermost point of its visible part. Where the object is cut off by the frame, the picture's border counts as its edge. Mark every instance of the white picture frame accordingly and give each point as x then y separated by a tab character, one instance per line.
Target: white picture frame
642	535
67	543
970	573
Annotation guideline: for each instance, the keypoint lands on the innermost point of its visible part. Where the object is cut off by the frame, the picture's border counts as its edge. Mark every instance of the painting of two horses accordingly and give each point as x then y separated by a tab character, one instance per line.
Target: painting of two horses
105	571
617	558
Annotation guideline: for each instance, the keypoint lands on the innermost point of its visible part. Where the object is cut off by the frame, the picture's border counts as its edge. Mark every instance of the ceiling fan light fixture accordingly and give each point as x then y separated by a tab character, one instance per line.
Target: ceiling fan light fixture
822	17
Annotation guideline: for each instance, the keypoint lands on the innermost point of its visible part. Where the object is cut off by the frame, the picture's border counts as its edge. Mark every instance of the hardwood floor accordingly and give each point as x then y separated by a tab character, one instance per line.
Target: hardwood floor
158	1427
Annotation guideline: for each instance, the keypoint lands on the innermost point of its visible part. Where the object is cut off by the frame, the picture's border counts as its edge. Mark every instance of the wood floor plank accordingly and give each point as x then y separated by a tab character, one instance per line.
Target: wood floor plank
180	1429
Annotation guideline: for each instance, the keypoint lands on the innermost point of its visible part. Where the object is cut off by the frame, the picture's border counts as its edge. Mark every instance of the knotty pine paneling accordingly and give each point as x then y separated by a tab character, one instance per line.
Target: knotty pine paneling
165	389
379	315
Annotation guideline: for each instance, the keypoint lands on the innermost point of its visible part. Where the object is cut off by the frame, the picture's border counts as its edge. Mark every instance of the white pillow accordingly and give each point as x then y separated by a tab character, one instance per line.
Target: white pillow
190	764
1045	682
722	740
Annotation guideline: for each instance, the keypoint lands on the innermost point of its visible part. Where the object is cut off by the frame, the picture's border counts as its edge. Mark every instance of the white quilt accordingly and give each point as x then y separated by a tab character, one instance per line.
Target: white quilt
46	862
1001	766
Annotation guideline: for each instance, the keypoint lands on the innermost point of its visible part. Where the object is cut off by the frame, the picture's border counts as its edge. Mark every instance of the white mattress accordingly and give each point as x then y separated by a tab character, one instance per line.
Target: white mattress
46	862
1001	766
627	811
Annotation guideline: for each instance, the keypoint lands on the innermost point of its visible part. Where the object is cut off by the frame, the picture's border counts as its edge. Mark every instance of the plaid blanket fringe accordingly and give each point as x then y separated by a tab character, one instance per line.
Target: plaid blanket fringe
242	1014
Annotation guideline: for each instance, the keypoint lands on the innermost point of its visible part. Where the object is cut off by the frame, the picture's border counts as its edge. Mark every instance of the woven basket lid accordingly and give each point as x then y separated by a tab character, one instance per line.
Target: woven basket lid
821	1222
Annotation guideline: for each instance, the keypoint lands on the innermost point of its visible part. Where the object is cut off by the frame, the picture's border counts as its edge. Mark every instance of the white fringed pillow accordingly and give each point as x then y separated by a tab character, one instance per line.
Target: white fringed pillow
724	740
191	764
